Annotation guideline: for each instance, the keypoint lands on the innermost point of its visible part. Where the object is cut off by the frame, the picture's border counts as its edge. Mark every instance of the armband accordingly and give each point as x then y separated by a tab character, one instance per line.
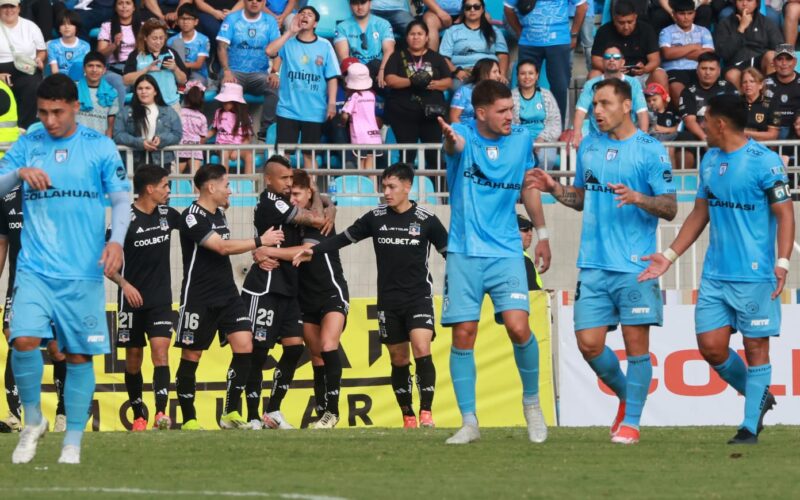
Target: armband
542	234
778	192
783	263
670	254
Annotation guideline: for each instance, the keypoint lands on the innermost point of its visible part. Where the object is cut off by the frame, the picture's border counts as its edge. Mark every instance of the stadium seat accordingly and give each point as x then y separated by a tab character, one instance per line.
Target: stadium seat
331	13
348	184
543	83
495	10
241	187
428	188
184	188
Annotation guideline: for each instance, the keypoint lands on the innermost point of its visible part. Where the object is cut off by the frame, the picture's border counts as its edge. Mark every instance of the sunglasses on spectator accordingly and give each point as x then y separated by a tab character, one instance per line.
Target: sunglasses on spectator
472	6
615	57
363	37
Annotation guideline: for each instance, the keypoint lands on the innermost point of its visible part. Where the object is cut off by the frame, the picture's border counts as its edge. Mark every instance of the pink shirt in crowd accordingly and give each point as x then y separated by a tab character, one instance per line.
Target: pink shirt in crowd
363	125
128	41
224	122
195	127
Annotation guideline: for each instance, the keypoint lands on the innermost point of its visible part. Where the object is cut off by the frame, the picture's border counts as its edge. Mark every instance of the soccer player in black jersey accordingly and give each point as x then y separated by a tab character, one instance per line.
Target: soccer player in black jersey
271	295
145	292
402	233
210	301
11	223
324	303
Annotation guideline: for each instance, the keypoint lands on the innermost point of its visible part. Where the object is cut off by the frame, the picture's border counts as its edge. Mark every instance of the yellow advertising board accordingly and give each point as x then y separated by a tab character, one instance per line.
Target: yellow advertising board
366	398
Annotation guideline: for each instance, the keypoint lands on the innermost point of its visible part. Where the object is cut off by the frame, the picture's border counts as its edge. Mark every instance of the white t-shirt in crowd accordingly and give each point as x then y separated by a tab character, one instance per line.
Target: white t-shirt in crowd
25	36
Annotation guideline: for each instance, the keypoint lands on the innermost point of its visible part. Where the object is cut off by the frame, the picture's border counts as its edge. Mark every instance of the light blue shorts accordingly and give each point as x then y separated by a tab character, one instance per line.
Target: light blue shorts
467	279
609	298
75	308
746	307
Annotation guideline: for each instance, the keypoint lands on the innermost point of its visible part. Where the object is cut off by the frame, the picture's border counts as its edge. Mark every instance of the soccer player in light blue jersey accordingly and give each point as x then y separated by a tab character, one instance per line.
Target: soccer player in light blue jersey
623	185
66	171
744	193
488	162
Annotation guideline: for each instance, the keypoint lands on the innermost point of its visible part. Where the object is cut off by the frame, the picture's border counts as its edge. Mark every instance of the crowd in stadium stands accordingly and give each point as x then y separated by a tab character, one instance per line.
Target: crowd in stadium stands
153	73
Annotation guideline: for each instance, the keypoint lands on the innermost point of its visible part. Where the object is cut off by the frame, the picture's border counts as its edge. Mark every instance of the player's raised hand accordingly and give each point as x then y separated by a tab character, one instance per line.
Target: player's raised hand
111	258
780	275
272	237
132	295
303	255
658	266
450	135
542	255
536	178
625	195
35	177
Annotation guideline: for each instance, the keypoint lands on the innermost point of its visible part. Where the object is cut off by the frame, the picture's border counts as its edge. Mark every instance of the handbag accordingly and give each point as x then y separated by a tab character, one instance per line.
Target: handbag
23	63
434	110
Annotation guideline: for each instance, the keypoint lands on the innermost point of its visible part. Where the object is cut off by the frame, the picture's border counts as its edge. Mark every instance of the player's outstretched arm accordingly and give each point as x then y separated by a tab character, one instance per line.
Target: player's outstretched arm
453	143
215	243
784	215
692	228
569	196
532	199
664	206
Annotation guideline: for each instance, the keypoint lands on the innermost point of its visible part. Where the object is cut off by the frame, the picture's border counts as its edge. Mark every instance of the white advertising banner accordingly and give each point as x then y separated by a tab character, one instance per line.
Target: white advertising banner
685	390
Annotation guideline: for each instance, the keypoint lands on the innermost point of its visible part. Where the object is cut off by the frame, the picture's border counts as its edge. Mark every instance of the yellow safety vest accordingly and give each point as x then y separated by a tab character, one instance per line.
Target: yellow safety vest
9	131
538	277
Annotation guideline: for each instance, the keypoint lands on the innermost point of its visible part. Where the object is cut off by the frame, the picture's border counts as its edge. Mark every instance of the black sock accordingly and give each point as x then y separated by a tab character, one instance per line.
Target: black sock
59	375
185	387
238	371
252	390
401	384
133	382
319	389
333	380
283	375
12	394
161	387
426	381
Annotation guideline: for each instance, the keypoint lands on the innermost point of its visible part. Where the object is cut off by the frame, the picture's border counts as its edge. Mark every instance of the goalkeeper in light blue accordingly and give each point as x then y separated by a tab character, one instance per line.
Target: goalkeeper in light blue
744	194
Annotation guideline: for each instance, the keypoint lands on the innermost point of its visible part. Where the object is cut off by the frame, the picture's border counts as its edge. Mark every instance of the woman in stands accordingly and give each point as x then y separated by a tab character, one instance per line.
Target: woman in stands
418	78
763	120
26	46
461	105
466	43
153	57
116	41
536	109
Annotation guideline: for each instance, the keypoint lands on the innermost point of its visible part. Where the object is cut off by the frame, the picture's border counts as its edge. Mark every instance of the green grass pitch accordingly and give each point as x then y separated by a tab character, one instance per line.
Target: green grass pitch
691	462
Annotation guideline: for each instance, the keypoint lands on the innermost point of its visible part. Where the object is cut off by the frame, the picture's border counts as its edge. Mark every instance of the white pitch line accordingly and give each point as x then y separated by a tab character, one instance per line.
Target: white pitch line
140	491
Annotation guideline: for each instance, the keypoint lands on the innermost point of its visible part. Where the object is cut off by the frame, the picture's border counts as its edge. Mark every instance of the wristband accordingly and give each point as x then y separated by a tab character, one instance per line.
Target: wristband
670	254
542	234
257	239
783	263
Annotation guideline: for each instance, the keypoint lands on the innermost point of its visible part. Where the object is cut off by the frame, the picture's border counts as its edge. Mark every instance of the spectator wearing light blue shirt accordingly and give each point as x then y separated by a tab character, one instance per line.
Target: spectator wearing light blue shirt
366	37
193	46
65	54
681	44
545	35
461	108
535	109
466	43
439	15
394	11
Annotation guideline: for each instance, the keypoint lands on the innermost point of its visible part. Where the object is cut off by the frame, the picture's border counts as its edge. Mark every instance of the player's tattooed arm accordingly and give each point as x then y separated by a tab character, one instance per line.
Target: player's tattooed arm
569	196
305	217
664	206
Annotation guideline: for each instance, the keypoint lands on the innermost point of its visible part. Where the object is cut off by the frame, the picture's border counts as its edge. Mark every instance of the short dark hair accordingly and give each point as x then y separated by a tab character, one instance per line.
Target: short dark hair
523	62
71	16
209	172
417	22
486	92
58	87
620	87
94	56
731	107
313	10
401	170
188	9
682	5
624	8
280	159
301	179
708	57
147	175
614	46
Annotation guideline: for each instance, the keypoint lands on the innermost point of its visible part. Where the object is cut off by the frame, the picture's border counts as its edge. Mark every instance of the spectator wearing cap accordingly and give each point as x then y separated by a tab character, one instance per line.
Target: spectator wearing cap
746	40
663	122
782	88
638	42
366	37
307	97
359	111
395	11
22	38
763	119
613	63
546	35
526	233
681	44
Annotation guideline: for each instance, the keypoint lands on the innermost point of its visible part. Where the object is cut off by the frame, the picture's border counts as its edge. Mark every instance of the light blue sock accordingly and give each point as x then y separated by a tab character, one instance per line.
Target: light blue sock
462	371
606	366
527	357
28	368
733	371
78	392
758	380
640	373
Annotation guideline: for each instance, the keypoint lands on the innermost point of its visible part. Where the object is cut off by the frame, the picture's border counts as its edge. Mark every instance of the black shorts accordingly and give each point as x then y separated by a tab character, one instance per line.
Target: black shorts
289	131
272	317
753	62
198	323
684	76
395	324
134	324
7	310
314	311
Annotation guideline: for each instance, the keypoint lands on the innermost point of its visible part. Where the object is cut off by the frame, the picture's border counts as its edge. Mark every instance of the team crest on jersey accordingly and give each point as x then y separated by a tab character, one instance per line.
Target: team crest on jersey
69	55
319	61
784	98
163	223
723	167
611	154
61	155
759	117
251	32
414	229
492	152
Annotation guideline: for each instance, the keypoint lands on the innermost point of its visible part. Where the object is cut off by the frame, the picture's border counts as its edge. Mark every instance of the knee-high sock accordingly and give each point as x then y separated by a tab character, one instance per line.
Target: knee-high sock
28	368
78	393
527	357
426	381
161	387
640	373
252	391
402	387
319	389
12	393
59	377
238	371
606	366
333	380
462	371
758	380
185	387
133	383
733	371
283	375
